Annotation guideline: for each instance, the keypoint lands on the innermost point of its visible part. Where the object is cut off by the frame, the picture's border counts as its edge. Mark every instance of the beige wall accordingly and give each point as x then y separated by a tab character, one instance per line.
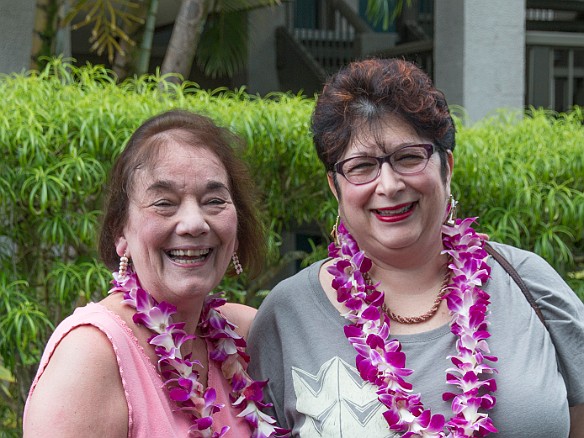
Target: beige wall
16	30
479	54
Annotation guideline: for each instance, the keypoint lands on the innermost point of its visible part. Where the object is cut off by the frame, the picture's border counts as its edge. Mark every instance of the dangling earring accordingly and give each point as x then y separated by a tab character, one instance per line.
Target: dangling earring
334	235
123	269
451	219
236	264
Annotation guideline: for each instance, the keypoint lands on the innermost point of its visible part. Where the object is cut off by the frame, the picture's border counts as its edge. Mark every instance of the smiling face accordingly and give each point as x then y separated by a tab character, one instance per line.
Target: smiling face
394	213
182	223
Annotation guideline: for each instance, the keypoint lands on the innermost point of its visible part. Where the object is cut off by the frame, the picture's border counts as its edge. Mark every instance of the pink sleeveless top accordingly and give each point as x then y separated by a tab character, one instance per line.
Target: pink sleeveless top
151	412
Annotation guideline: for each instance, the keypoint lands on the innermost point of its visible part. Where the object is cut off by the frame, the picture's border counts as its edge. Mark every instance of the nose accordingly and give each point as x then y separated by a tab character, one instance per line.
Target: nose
389	181
191	220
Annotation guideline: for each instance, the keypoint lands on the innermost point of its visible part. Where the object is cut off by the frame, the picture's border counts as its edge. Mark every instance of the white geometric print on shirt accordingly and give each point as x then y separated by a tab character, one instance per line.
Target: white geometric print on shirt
336	402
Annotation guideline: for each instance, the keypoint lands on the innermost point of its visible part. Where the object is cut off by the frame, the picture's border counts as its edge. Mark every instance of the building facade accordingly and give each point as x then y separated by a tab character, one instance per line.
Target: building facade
483	55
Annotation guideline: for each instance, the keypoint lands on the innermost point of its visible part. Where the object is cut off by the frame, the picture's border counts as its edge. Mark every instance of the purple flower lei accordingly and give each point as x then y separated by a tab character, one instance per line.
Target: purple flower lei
380	360
181	377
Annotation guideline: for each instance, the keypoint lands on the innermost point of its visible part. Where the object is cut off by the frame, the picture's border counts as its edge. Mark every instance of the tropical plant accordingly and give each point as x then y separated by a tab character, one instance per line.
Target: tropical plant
214	30
385	11
111	21
212	33
527	186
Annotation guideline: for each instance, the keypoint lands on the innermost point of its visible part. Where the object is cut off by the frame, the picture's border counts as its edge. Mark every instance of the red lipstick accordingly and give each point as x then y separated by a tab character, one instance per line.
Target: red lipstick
395	214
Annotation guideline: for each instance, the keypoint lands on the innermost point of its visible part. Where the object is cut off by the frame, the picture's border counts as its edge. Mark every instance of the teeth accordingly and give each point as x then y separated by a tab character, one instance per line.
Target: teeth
394	212
186	256
188	252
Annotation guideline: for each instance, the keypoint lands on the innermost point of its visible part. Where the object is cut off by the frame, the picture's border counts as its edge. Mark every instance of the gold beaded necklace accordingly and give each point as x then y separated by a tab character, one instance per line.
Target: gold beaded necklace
426	316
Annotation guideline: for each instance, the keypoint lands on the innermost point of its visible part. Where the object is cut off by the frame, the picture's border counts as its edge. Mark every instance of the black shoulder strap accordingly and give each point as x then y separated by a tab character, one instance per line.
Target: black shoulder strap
515	276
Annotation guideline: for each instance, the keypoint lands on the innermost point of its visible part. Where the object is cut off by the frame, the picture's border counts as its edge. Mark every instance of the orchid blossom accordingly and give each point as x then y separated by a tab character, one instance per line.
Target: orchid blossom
380	360
180	372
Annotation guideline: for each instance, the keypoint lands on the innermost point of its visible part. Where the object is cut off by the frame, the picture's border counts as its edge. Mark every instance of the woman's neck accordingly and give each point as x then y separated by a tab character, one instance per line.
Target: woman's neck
415	278
190	315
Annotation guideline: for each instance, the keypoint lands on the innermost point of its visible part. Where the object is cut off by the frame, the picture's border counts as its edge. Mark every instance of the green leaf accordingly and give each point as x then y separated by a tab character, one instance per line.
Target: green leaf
222	50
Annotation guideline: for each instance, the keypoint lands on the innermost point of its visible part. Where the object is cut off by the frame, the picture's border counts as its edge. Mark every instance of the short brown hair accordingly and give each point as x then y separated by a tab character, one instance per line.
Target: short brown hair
369	90
198	131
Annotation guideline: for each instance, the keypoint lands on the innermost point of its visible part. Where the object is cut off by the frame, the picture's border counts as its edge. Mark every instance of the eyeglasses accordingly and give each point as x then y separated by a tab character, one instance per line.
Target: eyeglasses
407	160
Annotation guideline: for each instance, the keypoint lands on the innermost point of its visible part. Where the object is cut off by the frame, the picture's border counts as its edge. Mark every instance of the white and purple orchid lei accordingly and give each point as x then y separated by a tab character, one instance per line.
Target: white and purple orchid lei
380	360
178	371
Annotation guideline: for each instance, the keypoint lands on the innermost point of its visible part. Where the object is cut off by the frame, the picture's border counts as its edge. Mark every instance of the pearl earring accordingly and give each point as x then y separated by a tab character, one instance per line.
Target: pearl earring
123	269
236	264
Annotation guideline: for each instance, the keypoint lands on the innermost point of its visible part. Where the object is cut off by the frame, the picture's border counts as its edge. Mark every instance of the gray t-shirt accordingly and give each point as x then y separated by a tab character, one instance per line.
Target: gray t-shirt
297	342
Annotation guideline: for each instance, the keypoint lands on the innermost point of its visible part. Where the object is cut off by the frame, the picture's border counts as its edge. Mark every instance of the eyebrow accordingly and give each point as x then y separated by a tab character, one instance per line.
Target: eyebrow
216	185
167	185
384	149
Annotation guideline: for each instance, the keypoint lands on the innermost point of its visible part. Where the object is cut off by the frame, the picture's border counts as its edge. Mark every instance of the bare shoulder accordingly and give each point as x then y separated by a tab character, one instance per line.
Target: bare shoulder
240	315
80	392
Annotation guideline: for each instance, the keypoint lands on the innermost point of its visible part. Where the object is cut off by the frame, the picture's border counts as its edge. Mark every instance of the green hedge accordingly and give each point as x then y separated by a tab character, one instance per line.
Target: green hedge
525	180
60	130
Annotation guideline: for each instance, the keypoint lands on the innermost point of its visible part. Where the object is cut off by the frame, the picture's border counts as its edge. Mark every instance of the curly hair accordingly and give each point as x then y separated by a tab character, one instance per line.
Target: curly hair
370	90
194	130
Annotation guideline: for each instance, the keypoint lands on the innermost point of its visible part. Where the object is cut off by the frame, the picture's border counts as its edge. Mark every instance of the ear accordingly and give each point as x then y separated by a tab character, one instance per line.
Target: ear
331	183
122	246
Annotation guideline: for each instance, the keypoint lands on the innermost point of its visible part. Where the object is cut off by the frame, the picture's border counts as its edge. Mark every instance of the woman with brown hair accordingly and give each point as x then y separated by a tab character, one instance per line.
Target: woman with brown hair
159	356
411	328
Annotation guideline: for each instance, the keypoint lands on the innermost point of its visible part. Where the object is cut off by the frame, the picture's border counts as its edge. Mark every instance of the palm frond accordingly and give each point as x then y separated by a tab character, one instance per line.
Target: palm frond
109	19
222	50
384	10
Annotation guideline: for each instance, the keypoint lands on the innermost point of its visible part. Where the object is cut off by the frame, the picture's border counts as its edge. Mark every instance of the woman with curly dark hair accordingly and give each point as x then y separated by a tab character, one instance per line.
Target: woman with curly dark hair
413	326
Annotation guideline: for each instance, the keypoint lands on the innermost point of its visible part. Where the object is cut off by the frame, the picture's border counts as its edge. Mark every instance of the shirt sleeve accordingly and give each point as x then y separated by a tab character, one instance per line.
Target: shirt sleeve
564	314
265	350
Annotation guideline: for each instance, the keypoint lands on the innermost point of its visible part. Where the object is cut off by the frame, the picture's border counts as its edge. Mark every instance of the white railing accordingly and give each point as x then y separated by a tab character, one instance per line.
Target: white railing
334	34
